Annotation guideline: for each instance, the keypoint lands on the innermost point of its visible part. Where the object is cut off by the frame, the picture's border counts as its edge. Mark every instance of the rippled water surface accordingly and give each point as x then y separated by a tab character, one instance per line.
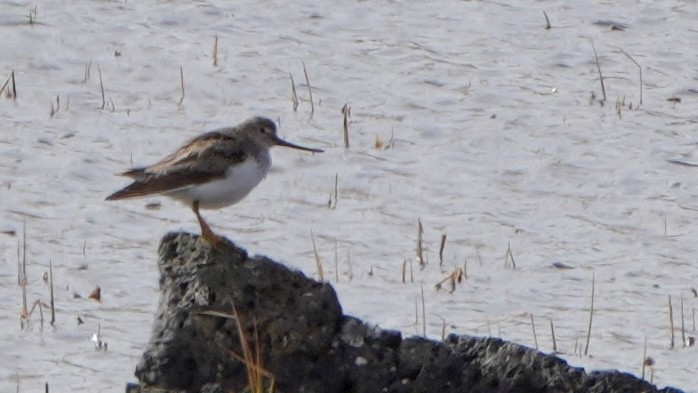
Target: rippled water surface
492	133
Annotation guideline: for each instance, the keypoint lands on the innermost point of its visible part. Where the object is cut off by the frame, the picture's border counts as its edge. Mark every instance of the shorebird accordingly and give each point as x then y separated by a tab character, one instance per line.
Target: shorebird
214	170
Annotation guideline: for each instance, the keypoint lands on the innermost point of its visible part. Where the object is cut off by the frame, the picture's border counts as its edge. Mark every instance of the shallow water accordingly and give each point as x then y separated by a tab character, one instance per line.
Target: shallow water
496	138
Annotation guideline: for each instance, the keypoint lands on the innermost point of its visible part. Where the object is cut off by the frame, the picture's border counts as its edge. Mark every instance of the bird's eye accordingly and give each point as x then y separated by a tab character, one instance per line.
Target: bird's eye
261	130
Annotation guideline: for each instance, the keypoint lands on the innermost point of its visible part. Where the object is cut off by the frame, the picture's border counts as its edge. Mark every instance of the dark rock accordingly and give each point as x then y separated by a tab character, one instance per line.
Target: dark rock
307	344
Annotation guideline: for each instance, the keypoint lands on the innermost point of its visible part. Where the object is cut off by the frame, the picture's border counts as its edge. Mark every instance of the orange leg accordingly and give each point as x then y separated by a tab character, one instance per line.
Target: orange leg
206	232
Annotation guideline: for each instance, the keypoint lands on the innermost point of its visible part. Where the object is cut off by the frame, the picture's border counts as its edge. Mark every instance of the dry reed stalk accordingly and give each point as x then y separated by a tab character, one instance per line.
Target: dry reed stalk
22	276
101	87
509	256
346	114
455	277
88	67
533	326
294	94
404	270
32	15
378	143
443	328
424	313
14	87
598	67
552	333
441	249
181	83
336	263
683	328
639	67
644	357
336	192
420	247
411	272
671	323
591	314
52	301
13	93
310	90
214	53
252	359
318	263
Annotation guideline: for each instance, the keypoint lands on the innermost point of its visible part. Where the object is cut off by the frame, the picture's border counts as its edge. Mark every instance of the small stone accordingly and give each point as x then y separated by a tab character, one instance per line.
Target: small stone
361	361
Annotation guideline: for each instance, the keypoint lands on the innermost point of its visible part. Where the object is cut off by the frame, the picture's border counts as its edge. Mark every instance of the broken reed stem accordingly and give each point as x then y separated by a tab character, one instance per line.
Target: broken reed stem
552	333
533	326
336	189
23	280
441	249
294	94
50	280
101	87
547	21
14	87
639	67
576	345
671	323
683	329
318	263
591	314
336	263
310	90
4	85
420	249
41	313
411	272
214	54
9	79
346	113
181	83
509	256
598	67
644	357
424	314
88	67
452	278
404	270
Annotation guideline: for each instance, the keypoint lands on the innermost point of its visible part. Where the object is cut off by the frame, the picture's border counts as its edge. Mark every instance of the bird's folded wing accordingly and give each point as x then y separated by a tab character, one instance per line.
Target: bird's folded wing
203	159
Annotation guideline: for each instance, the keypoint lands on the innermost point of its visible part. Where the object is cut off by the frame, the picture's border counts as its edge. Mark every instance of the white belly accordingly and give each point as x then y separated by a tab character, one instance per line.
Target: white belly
239	180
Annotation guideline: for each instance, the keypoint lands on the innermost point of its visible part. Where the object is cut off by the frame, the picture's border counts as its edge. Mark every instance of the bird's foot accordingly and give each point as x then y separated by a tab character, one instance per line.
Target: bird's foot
215	241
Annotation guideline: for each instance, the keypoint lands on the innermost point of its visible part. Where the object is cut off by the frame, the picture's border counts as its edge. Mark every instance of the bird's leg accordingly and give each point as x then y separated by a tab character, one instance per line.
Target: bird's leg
206	232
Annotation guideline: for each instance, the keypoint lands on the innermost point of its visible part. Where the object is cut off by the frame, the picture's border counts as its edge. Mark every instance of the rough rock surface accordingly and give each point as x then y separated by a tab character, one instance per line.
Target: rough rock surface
308	345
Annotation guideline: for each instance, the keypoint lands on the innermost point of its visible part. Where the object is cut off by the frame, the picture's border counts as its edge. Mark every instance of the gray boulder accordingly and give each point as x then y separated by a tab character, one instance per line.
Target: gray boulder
308	345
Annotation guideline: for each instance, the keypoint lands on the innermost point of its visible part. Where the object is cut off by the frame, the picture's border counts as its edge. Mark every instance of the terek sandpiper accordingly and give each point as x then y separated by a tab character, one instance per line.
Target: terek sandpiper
216	169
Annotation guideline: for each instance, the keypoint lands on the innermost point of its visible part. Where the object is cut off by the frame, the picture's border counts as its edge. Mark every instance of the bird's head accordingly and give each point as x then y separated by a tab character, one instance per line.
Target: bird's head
263	130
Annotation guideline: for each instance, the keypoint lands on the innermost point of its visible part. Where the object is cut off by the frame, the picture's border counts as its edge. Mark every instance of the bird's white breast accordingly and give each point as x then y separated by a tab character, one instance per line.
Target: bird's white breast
239	180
